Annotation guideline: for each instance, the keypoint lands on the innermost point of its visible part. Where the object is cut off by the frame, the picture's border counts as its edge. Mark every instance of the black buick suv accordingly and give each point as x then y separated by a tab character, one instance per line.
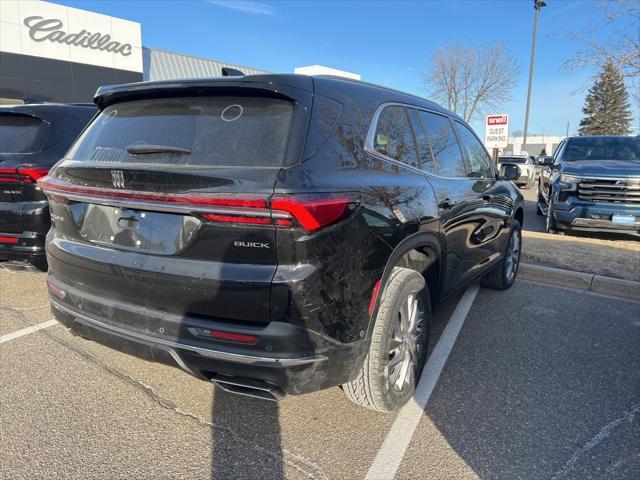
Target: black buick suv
32	138
275	234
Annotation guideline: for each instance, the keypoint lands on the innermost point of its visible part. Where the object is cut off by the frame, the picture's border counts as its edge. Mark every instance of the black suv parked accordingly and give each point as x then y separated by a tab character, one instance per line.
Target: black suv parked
592	183
275	233
32	138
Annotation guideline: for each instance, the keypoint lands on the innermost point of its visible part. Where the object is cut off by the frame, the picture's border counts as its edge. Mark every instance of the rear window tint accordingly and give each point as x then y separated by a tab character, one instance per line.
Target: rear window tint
20	133
394	137
202	131
444	145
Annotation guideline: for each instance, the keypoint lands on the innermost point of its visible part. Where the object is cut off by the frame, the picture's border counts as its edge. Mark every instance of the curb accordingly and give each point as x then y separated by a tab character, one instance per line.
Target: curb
614	287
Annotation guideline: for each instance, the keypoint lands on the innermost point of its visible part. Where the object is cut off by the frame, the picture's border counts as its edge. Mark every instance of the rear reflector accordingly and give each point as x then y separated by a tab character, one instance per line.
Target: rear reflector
4	239
374	297
234	337
57	291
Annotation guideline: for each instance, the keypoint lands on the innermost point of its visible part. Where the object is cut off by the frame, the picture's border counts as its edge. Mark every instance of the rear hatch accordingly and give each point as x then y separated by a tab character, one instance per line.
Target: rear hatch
163	200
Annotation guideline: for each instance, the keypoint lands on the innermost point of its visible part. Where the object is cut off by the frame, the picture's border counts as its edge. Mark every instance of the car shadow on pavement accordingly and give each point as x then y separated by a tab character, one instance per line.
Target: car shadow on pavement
246	439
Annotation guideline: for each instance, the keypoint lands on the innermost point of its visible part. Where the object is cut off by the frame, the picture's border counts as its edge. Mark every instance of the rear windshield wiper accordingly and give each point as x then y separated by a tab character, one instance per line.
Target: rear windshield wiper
151	149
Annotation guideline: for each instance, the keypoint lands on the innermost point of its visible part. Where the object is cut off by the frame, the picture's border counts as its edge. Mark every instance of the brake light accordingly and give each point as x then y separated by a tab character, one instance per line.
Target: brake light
8	239
313	212
33	173
214	217
26	174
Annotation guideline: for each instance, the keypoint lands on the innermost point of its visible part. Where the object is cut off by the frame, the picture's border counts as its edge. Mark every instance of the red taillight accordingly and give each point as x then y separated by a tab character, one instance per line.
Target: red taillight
313	212
374	297
4	239
26	174
32	172
234	337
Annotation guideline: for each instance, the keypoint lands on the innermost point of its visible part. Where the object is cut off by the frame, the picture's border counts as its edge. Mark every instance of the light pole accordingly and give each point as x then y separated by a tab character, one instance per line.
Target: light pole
537	5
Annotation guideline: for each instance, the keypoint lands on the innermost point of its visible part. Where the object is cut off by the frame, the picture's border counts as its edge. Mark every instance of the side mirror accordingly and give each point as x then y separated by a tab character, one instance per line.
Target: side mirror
509	172
547	160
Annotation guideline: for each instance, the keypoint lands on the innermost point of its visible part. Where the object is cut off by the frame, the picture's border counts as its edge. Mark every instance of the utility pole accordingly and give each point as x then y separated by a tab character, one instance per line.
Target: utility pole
537	5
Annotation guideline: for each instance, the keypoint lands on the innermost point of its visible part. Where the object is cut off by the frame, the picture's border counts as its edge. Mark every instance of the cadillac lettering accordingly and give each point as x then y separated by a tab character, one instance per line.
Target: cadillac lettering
41	29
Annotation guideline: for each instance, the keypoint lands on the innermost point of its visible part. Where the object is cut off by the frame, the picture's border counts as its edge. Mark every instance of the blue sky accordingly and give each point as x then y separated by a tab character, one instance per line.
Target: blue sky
388	43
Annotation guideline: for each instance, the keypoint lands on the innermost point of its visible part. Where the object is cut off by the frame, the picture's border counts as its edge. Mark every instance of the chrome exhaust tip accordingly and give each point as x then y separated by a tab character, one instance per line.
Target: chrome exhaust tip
249	388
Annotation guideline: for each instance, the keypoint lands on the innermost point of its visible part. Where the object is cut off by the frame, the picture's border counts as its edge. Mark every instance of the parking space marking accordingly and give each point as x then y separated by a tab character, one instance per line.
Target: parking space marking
391	453
26	331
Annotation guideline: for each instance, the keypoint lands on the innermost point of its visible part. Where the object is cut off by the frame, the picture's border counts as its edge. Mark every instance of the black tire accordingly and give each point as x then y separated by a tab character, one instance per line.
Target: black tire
501	278
373	388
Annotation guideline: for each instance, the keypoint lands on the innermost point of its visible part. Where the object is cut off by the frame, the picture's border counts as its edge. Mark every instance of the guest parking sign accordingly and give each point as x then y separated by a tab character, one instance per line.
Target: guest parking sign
496	131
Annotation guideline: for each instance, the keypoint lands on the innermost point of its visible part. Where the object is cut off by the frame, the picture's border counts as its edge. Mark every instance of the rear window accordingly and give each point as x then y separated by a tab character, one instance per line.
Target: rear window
201	131
602	148
20	133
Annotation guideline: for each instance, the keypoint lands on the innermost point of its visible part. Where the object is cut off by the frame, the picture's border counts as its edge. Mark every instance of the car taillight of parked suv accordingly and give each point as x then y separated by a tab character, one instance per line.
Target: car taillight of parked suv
592	183
275	234
32	138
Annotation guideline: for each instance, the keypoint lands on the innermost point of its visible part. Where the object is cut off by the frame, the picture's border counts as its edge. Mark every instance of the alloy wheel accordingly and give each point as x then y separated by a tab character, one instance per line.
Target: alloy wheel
406	346
513	256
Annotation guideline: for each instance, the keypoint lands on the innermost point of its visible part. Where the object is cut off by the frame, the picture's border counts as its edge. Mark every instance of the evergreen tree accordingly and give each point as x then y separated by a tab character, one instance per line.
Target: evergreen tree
606	108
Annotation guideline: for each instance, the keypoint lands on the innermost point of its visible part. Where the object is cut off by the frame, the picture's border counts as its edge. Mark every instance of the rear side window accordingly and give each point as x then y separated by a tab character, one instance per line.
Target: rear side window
444	145
424	150
20	133
394	138
478	161
201	131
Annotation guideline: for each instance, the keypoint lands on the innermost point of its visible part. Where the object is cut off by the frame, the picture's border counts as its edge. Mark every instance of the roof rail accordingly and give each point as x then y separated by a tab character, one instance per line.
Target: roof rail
231	72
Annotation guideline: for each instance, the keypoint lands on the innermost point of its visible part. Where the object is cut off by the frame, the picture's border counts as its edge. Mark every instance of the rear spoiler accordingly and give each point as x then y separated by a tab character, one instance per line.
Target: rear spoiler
298	88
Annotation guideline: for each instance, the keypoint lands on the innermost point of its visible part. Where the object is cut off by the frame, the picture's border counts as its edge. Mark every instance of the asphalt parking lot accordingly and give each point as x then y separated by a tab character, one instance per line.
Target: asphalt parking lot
541	382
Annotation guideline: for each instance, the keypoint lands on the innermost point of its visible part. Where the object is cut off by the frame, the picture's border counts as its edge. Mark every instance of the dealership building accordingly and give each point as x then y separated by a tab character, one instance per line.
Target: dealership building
54	53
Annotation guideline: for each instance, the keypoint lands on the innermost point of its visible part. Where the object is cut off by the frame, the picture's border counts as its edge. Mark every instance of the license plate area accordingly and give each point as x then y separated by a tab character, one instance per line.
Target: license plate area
130	229
623	219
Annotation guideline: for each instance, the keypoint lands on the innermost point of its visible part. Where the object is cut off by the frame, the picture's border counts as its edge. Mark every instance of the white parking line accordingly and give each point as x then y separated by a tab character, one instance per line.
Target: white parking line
26	331
389	457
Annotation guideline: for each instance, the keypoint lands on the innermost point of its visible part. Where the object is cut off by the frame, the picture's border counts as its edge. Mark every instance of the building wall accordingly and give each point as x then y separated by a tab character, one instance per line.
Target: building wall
534	145
162	65
62	54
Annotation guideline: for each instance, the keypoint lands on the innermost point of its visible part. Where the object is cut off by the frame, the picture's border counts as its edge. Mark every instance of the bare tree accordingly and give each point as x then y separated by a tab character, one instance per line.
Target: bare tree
621	21
471	79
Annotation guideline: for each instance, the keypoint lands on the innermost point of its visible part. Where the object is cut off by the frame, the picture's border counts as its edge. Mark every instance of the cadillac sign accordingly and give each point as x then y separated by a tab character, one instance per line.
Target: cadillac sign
51	29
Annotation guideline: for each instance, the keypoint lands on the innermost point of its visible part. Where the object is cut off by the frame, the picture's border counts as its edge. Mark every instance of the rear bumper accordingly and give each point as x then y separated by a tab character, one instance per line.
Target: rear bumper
291	359
28	223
